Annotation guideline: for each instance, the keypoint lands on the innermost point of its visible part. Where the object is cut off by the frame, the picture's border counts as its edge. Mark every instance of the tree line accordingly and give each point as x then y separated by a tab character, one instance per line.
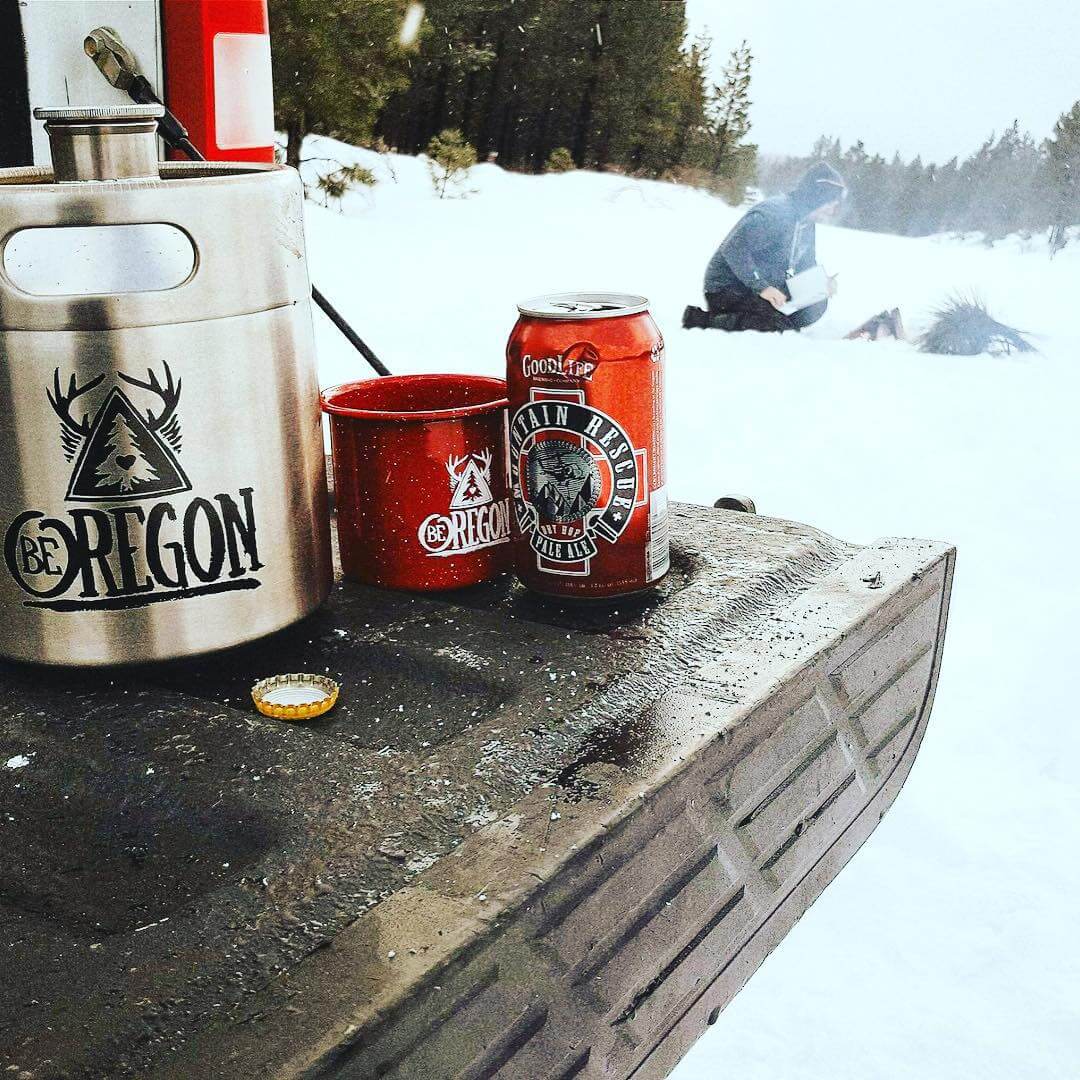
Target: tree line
1011	184
532	84
615	84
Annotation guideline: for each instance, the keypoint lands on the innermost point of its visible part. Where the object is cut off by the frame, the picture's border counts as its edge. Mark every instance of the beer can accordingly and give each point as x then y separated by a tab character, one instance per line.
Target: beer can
585	377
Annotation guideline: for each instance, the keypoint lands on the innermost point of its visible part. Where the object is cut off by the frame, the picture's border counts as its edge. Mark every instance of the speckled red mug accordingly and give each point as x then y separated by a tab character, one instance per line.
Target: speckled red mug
420	479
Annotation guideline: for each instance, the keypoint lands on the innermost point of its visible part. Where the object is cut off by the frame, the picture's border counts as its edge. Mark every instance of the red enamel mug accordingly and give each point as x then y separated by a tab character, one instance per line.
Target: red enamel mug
420	479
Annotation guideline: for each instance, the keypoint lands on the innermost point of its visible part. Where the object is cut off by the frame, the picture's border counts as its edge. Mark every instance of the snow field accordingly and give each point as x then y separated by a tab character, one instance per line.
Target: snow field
948	947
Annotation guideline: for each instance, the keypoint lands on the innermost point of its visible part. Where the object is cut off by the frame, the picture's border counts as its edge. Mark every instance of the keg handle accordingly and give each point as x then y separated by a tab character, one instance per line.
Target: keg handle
139	257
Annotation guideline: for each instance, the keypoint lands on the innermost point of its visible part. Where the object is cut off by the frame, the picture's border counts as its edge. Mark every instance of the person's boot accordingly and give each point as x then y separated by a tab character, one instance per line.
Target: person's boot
693	318
728	320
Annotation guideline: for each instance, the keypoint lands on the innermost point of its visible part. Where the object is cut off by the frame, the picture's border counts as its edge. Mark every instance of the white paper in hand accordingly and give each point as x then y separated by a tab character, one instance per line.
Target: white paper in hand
809	287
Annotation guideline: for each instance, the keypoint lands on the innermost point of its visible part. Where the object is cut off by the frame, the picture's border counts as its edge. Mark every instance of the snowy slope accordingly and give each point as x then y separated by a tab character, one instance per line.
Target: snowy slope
948	948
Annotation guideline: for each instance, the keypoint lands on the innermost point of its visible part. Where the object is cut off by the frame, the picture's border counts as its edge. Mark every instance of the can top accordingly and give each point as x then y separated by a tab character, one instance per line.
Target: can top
583	305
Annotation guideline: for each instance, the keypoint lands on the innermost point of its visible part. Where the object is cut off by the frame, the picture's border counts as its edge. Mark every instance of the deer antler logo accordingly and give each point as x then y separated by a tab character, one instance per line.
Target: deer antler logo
121	454
72	431
167	422
470	479
453	467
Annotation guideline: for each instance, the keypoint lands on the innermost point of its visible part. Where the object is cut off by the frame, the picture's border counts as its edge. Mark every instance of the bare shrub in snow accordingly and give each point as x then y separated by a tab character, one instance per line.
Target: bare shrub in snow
336	184
964	327
385	151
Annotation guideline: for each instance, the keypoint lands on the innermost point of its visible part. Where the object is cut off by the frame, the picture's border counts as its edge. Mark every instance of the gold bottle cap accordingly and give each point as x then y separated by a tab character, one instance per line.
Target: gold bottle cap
295	697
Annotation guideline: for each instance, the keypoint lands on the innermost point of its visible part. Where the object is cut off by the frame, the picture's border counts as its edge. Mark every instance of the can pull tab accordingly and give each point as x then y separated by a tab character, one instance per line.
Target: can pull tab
112	143
582	307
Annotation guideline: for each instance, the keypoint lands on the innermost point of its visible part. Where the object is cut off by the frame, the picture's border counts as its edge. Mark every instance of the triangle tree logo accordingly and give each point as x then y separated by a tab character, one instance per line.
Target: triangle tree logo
470	484
124	455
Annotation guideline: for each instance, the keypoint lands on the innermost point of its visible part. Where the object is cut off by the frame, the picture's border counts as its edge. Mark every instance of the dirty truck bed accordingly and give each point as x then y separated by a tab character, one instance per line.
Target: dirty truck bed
529	842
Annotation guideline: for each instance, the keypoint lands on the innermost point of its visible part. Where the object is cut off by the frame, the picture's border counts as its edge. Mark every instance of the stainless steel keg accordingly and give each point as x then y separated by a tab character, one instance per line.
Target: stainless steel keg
162	478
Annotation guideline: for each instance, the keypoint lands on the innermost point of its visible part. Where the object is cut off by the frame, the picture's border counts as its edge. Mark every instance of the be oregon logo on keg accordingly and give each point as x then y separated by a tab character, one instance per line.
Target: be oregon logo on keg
140	544
574	474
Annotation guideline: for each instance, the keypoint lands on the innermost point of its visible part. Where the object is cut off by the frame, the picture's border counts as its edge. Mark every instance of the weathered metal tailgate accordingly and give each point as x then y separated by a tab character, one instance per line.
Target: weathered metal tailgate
531	842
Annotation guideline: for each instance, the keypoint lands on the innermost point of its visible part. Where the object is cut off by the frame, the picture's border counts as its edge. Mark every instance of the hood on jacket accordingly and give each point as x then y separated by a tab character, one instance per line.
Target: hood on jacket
820	184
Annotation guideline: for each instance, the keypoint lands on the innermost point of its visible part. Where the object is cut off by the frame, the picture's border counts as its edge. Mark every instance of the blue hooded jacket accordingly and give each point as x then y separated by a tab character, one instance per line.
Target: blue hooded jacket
773	240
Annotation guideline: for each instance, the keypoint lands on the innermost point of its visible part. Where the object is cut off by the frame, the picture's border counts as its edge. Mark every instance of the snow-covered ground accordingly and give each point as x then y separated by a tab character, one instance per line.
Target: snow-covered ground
949	946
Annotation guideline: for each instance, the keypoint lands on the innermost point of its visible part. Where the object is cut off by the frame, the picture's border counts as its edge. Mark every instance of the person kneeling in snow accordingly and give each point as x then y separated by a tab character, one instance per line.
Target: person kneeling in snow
744	281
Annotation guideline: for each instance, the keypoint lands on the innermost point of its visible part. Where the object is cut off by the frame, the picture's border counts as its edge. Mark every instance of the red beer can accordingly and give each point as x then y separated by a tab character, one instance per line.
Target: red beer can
585	378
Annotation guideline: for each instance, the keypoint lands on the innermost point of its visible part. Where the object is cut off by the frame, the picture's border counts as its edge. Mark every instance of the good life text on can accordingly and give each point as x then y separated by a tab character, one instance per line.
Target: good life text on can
585	375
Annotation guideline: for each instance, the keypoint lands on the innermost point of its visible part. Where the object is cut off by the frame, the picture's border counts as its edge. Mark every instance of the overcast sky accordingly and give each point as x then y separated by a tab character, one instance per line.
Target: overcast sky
930	77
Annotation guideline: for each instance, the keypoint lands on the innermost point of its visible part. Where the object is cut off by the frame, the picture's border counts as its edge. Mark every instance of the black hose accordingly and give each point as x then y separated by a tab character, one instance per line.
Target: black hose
351	335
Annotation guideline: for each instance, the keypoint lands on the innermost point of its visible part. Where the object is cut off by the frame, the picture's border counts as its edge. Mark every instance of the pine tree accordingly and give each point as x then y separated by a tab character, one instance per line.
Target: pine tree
731	105
632	107
909	212
725	122
607	79
560	160
335	64
856	167
1062	176
599	15
472	490
450	158
691	133
949	198
125	464
1002	179
448	75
